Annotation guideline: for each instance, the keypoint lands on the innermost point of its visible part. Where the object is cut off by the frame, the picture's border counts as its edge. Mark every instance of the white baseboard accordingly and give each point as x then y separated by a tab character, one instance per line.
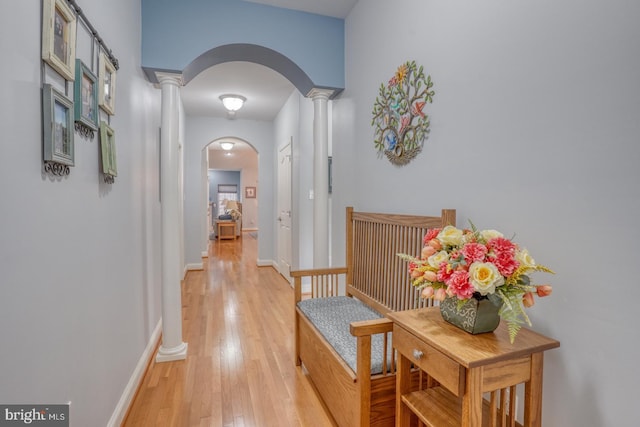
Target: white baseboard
138	373
267	263
194	266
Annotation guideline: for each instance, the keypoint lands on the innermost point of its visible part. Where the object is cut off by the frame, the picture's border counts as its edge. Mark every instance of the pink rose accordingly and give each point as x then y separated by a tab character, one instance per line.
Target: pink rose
505	263
427	292
473	252
501	245
459	285
444	272
430	276
432	233
427	251
440	294
435	244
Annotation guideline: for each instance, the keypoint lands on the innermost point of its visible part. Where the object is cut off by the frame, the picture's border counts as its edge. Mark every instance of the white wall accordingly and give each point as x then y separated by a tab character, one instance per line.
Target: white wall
200	131
295	123
534	131
79	259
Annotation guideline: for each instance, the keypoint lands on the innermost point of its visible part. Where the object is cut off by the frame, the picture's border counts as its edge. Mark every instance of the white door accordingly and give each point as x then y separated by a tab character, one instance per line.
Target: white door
284	211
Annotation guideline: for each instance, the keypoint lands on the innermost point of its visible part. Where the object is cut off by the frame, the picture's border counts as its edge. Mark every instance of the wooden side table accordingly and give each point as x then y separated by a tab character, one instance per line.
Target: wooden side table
461	367
230	225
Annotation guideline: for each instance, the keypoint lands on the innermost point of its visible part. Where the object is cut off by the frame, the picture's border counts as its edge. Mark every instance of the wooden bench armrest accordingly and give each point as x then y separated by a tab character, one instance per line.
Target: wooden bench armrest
324	281
371	327
363	332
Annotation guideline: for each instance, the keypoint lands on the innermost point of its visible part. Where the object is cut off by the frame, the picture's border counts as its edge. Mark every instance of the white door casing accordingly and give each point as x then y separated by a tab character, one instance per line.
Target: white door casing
284	210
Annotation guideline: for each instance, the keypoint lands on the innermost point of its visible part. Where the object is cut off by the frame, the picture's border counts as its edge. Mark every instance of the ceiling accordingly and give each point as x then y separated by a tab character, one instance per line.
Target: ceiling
266	90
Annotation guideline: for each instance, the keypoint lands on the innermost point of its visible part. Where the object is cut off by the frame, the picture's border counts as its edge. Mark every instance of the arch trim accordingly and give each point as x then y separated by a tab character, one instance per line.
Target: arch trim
250	53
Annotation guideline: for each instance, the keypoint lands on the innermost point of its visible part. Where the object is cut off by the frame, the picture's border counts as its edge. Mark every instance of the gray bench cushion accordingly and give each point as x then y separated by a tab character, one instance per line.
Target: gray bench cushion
332	316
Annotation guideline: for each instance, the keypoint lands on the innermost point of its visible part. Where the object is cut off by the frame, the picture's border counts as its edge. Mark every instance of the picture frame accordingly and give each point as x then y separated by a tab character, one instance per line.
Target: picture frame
59	37
108	149
57	112
107	84
250	192
85	96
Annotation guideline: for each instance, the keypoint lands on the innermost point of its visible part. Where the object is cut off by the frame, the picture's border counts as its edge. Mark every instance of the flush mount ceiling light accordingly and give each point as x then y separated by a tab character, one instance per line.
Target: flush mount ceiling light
226	145
232	102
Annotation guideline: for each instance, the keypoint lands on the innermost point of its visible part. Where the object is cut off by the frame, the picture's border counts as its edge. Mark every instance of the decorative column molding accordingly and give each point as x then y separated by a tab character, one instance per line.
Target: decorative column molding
172	348
320	99
204	199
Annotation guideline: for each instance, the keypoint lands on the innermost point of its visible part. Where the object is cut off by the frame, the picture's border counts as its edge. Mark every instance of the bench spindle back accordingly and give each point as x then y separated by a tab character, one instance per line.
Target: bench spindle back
375	273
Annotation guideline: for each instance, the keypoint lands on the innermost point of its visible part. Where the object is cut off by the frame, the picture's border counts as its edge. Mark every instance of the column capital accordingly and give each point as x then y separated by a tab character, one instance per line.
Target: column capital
169	78
320	93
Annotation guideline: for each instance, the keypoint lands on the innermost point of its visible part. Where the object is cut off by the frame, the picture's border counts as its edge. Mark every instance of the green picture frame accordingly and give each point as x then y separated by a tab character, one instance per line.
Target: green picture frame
108	149
85	96
57	113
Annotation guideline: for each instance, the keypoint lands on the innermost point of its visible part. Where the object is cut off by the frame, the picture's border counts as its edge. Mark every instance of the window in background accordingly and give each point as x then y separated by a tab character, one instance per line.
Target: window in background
226	192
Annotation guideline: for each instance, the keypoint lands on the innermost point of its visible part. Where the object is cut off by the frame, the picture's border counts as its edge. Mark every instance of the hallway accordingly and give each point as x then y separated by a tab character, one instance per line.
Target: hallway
238	322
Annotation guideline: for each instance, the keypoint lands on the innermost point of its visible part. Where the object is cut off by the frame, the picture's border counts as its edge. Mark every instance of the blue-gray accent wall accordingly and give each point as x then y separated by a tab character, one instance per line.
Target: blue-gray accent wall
174	34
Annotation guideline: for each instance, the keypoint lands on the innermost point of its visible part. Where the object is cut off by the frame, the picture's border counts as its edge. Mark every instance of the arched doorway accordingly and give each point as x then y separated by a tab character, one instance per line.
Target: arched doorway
231	174
204	126
301	84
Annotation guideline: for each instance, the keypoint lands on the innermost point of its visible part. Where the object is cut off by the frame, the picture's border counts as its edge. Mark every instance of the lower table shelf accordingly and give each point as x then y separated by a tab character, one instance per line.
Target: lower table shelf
438	407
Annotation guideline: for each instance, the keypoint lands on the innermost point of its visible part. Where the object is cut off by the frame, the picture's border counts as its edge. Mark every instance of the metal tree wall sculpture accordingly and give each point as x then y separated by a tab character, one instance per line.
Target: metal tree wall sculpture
401	126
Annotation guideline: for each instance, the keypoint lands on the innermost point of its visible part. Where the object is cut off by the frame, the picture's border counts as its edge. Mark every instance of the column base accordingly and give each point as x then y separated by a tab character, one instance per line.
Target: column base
170	354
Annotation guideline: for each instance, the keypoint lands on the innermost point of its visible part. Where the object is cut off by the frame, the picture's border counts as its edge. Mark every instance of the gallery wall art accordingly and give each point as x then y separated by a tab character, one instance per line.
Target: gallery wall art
399	119
81	97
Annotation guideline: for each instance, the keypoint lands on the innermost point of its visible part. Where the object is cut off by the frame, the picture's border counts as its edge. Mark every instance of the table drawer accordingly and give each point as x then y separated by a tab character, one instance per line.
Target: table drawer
443	369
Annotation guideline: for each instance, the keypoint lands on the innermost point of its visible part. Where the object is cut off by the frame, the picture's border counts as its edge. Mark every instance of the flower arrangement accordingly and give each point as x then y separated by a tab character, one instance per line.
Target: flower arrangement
477	264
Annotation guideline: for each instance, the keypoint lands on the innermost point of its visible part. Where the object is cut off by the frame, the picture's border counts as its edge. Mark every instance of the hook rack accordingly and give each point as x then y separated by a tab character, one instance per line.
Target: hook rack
94	33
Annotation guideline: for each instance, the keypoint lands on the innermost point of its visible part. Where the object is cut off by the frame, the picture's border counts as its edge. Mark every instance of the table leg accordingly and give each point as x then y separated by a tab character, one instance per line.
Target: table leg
533	393
472	399
403	386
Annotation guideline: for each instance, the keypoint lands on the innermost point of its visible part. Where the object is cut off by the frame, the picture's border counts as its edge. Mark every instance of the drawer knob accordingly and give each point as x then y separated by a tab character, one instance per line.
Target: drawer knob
417	354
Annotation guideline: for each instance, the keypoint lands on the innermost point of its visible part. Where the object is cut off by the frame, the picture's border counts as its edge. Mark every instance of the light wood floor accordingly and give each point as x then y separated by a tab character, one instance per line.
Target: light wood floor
240	370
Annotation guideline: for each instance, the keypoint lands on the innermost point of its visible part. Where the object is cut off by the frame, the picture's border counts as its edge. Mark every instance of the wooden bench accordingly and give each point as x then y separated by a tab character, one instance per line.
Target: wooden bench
376	276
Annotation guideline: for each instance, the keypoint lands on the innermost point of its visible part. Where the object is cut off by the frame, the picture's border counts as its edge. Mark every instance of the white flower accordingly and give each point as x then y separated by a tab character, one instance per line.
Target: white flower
525	259
437	258
490	234
484	276
450	236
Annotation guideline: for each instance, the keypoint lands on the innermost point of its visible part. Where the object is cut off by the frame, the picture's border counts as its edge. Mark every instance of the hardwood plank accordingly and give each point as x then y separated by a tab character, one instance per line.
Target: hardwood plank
240	368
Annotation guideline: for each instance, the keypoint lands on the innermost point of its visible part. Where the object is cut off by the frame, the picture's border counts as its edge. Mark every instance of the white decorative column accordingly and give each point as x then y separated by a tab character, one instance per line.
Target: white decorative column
172	348
204	199
320	177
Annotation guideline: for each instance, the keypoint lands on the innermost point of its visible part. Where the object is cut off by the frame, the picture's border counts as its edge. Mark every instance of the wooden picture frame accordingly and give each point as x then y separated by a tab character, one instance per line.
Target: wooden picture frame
57	113
85	96
107	84
59	37
108	149
250	192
